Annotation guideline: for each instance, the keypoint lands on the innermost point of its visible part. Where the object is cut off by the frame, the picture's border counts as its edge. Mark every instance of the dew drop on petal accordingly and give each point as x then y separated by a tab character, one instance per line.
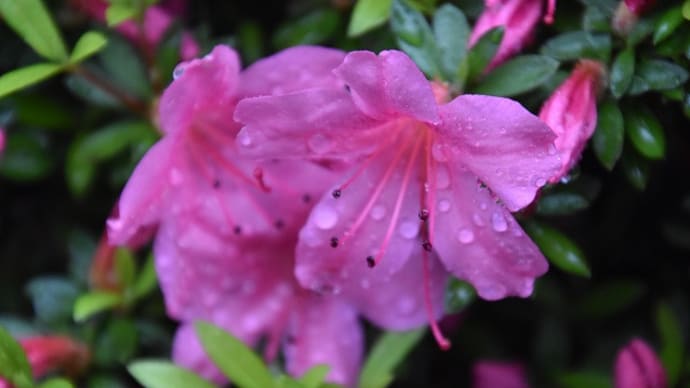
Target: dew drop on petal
244	139
551	150
325	217
443	205
406	305
483	205
477	218
408	229
438	152
465	236
320	144
499	222
364	283
378	212
176	177
442	178
179	70
539	182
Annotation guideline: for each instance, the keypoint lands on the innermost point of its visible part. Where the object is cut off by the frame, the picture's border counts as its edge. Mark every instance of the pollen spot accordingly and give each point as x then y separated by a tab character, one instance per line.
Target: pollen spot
306	198
337	193
423	214
334	242
427	246
443	205
279	224
371	263
237	229
216	184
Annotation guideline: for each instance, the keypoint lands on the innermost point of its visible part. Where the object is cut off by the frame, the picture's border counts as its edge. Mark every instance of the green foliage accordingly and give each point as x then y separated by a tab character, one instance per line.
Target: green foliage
559	249
31	20
13	363
672	339
518	75
367	15
622	72
94	302
608	136
415	37
26	76
52	298
459	296
164	374
388	352
89	44
645	132
483	51
575	45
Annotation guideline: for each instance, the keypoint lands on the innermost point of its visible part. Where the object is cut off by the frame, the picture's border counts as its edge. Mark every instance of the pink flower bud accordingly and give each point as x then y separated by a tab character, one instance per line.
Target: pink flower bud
50	353
489	374
639	6
637	366
571	112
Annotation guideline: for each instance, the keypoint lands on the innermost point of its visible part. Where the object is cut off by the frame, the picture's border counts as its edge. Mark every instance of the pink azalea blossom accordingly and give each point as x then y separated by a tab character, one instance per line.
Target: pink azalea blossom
157	20
494	374
519	19
571	112
426	177
637	366
639	6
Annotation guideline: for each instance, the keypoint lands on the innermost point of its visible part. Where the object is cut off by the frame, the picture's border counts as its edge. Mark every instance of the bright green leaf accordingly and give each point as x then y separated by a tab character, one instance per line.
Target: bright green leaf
164	374
147	280
13	363
578	44
414	36
117	13
645	132
622	71
518	75
314	376
31	20
559	249
672	341
483	51
452	32
459	295
26	76
667	24
686	10
608	136
94	302
125	267
237	361
116	343
389	351
367	15
89	44
56	383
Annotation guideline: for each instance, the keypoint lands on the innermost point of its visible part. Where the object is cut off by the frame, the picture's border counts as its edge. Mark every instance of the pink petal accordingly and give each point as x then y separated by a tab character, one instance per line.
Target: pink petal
364	221
325	331
313	124
291	70
388	86
494	374
508	148
637	366
479	241
188	353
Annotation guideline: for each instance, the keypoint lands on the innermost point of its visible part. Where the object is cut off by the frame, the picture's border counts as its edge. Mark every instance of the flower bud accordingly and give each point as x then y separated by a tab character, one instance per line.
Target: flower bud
637	366
489	374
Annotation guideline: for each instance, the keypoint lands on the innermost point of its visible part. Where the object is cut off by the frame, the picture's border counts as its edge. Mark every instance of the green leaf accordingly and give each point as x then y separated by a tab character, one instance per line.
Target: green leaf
452	33
622	71
594	20
672	341
56	383
26	157
636	169
52	298
89	44
667	24
13	363
686	10
610	299
313	28
559	204
125	267
608	137
518	75
125	67
94	302
314	376
367	15
483	51
559	249
459	295
641	30
577	45
645	132
389	351
26	76
237	361
584	379
658	74
164	374
147	280
117	343
117	13
414	36
31	20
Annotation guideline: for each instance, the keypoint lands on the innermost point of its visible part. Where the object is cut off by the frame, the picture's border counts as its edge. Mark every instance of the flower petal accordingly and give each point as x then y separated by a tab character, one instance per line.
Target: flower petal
324	330
388	85
507	147
188	353
479	241
291	70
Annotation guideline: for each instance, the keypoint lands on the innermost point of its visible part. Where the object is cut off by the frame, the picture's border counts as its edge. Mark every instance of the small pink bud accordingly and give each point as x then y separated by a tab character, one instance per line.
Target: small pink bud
637	366
490	374
50	353
639	6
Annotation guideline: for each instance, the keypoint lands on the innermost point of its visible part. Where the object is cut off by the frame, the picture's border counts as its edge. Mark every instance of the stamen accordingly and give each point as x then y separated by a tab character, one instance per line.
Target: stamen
259	176
279	224
441	340
429	198
550	10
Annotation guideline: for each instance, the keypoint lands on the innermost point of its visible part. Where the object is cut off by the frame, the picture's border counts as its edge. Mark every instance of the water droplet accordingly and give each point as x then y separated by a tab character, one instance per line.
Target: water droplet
439	153
442	178
477	218
552	149
320	144
179	70
176	177
378	212
244	139
499	172
540	182
465	236
483	205
251	323
364	283
406	305
443	205
408	229
325	217
499	222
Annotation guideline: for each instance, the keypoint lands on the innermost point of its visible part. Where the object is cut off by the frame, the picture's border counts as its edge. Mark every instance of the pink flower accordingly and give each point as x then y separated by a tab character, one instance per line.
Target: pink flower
494	374
571	112
428	181
637	366
518	18
156	22
639	6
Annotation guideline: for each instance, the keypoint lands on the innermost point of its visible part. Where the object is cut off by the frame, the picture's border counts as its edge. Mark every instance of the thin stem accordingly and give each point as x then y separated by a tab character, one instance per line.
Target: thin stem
130	102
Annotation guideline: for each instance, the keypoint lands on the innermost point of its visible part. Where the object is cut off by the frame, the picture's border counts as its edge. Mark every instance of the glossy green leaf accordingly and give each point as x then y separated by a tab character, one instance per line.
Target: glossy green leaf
125	267
116	343
452	32
608	136
671	335
483	51
31	20
93	303
313	28
459	295
577	45
52	298
686	10
640	31
636	169
89	44
667	24
117	13
560	204
125	67
518	75
645	132
56	382
622	71
585	379
313	377
414	36
26	76
146	280
594	20
26	157
13	363
367	15
609	299
164	374
559	249
659	75
388	352
40	110
237	361
90	92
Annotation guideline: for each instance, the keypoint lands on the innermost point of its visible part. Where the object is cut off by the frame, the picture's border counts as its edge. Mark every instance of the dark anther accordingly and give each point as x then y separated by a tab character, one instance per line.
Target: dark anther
237	229
371	262
216	184
279	224
334	242
427	246
347	88
337	193
306	198
290	339
423	214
